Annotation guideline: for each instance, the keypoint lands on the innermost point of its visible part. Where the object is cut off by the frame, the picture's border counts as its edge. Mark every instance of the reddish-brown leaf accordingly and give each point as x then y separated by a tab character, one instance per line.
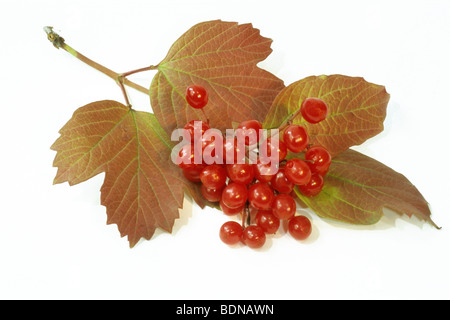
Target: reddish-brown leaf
222	57
357	110
357	188
143	189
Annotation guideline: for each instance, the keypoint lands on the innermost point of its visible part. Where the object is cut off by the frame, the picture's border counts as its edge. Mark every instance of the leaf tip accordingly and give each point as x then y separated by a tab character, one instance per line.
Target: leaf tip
132	244
58	180
433	224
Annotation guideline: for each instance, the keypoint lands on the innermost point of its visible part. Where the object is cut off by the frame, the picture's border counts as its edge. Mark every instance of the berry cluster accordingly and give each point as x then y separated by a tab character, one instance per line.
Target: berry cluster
262	192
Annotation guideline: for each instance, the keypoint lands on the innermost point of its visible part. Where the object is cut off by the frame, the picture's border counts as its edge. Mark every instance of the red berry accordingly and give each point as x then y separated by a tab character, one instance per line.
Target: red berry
250	130
254	237
297	171
187	157
234	195
196	96
213	176
230	211
314	110
193	173
210	136
267	221
284	206
313	187
281	183
241	173
274	149
212	147
296	138
265	172
233	152
299	227
211	194
195	126
320	159
260	196
231	232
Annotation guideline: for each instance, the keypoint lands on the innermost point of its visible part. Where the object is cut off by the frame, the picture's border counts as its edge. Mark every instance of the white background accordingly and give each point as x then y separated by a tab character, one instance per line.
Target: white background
54	241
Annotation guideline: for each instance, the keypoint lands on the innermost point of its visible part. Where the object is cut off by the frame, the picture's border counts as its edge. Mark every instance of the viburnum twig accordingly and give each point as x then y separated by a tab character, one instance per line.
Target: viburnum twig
129	73
245	216
59	42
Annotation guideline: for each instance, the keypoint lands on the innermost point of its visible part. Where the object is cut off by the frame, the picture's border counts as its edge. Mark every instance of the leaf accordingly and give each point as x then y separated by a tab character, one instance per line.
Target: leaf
143	189
357	188
357	110
222	57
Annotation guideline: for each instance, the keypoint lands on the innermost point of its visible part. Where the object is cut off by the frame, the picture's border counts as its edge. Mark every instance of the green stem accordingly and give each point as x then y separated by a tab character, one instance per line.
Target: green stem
288	121
126	74
59	42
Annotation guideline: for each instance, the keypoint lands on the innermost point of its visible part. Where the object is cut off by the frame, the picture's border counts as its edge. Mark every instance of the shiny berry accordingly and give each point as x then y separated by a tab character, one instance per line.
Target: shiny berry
297	171
319	159
264	172
254	236
211	194
274	149
249	130
296	138
193	126
284	206
196	96
230	211
299	227
281	183
193	173
313	187
267	221
314	110
212	147
260	196
213	176
234	195
231	232
187	157
233	152
241	173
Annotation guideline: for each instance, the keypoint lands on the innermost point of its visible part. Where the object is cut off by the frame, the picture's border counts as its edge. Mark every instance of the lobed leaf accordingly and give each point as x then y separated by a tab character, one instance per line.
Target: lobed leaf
357	188
357	110
143	189
222	57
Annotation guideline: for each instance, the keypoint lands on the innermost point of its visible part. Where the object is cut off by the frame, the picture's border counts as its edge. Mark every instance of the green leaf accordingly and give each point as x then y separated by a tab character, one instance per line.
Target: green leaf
357	188
357	110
